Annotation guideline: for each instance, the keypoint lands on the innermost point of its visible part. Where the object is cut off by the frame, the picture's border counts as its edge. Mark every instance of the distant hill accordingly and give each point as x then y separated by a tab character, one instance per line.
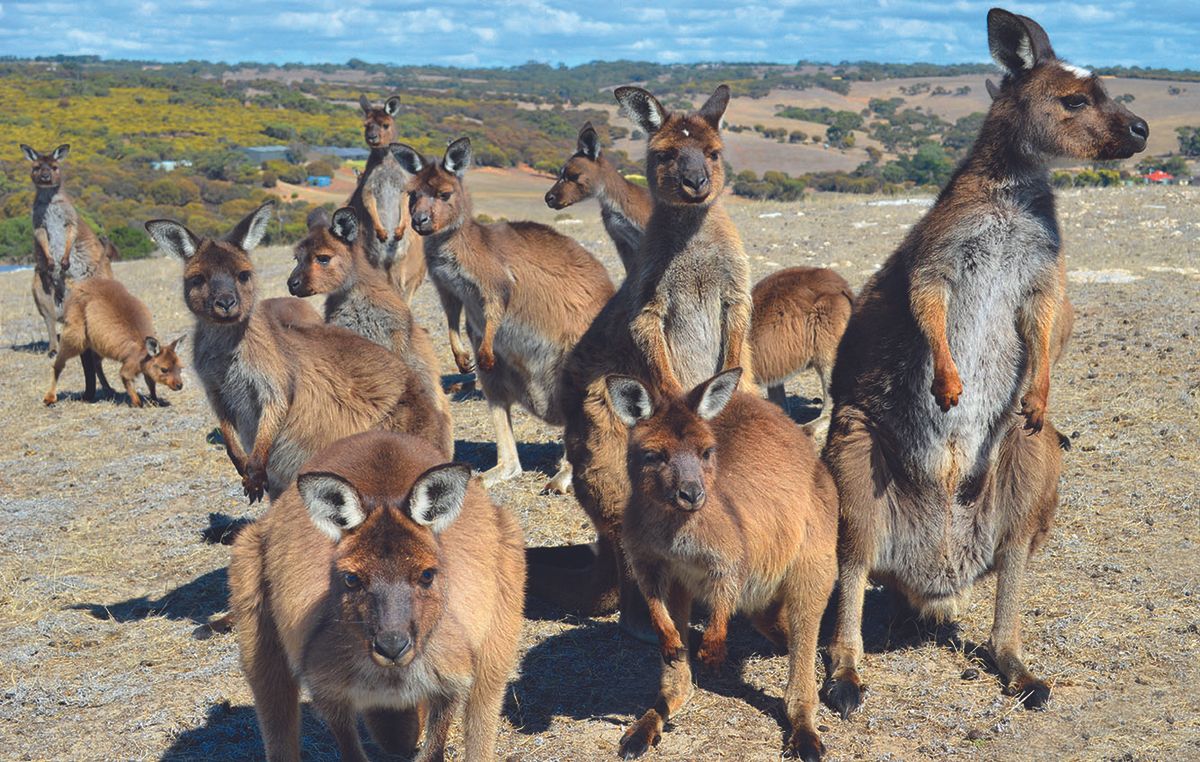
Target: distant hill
852	126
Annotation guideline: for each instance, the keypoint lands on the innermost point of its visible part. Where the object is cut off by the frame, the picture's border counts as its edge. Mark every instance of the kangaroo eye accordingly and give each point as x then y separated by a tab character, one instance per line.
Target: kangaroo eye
709	453
196	281
245	275
427	576
351	580
652	458
322	259
715	155
445	196
1074	102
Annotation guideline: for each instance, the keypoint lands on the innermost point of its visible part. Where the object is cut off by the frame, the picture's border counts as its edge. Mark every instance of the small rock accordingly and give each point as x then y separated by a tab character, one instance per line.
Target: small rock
974	734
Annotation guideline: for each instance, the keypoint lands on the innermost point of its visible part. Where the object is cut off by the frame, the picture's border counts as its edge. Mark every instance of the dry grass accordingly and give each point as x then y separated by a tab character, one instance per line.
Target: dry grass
104	574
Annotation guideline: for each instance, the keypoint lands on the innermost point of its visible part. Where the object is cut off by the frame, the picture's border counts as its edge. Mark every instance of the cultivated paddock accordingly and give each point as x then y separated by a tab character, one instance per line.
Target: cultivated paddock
104	573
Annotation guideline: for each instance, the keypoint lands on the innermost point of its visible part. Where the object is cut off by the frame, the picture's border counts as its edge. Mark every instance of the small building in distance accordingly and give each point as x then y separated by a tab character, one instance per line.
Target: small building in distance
1159	177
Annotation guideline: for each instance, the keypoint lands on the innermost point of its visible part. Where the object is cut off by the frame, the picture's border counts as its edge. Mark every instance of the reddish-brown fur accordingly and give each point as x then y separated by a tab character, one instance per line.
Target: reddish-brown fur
60	237
104	321
330	260
411	612
799	316
946	465
730	506
282	383
529	293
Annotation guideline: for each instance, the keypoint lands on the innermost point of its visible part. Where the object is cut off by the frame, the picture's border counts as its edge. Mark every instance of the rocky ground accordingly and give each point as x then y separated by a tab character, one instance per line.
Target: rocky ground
105	574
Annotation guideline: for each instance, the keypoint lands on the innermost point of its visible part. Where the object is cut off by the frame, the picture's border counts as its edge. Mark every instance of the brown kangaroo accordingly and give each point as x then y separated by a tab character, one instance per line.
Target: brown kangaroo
798	319
283	384
63	243
529	293
681	315
624	206
331	260
945	464
104	320
732	507
379	201
387	583
799	313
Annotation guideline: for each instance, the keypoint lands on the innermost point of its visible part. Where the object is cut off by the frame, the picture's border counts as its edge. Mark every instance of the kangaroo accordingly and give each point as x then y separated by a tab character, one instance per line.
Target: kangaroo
104	320
946	466
387	583
283	384
330	260
798	319
624	206
798	314
58	233
681	315
379	201
529	293
730	506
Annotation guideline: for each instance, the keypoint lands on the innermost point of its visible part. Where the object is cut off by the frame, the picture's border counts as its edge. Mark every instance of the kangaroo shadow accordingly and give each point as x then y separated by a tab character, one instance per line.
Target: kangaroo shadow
32	348
595	671
231	732
462	387
803	409
196	601
538	456
223	529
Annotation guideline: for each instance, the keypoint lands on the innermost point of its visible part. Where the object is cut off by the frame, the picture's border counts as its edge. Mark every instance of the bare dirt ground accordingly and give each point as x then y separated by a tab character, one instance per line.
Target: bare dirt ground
105	575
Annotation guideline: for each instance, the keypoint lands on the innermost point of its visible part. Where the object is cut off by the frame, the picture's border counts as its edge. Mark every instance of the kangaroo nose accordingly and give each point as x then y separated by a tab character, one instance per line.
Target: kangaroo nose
1139	129
551	199
696	184
421	220
391	645
225	303
294	286
691	496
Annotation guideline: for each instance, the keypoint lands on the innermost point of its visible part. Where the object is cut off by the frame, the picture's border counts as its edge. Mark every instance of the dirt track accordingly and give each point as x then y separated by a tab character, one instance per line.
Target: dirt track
104	574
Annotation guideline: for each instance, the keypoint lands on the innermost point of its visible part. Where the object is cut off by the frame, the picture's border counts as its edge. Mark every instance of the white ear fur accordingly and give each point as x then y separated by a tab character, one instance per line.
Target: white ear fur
392	105
30	154
332	503
629	398
61	152
641	107
344	224
458	157
173	238
438	495
718	390
152	346
408	157
250	231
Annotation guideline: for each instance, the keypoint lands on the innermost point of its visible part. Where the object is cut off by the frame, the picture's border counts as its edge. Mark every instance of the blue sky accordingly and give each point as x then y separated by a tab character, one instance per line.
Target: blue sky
506	33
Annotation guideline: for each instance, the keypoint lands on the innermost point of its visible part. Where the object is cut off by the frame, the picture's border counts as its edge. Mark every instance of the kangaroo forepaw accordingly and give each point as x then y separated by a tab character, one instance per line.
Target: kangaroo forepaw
1033	407
947	388
844	695
712	655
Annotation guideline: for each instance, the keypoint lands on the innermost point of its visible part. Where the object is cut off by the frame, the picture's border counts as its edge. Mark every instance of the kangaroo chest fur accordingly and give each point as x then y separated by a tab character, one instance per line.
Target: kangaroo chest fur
223	362
945	536
690	292
54	214
353	310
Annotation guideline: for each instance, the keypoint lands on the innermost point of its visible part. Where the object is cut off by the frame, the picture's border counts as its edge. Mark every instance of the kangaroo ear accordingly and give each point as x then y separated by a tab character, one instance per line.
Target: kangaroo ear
392	106
173	238
714	108
364	104
992	88
710	398
408	157
589	142
332	504
344	224
641	107
630	399
458	157
438	494
178	340
152	347
30	154
247	233
1017	43
61	152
